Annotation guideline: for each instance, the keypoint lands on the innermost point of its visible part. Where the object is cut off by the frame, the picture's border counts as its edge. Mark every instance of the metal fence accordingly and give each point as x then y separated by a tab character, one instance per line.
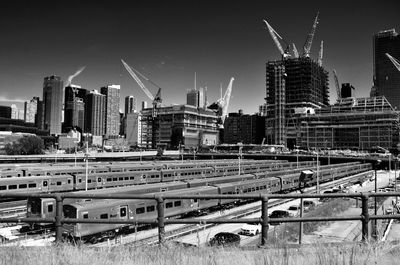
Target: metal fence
163	220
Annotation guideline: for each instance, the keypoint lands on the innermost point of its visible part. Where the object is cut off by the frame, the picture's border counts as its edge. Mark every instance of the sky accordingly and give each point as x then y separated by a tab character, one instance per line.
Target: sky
170	41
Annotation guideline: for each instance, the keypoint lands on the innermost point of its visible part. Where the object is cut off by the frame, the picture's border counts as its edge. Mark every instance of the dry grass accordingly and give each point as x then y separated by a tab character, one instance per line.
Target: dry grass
175	255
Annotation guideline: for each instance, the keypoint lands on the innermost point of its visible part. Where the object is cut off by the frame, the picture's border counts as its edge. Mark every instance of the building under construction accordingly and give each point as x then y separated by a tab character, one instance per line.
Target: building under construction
293	86
179	126
351	123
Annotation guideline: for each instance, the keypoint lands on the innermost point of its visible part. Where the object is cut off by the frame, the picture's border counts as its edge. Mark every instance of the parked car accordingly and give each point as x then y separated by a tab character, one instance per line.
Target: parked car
278	214
294	210
250	229
225	239
308	205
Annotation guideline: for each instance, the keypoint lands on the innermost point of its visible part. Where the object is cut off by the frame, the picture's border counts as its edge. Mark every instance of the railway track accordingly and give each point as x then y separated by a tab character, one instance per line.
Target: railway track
150	237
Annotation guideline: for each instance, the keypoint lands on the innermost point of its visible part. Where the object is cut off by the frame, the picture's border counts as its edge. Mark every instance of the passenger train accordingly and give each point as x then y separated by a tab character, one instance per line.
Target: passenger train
146	209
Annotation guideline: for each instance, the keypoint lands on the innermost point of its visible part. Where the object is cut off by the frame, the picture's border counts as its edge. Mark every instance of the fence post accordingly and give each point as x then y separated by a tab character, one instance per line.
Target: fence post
161	219
59	214
365	219
264	216
301	223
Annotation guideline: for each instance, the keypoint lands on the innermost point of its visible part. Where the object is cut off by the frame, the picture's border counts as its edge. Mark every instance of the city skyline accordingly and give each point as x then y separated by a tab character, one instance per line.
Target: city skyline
171	41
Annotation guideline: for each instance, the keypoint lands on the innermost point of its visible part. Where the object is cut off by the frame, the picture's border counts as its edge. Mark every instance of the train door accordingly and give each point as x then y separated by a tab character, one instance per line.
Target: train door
123	212
45	185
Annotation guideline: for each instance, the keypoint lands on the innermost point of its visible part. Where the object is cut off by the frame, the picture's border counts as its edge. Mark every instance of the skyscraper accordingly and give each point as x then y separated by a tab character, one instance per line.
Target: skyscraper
95	112
14	112
292	86
30	109
130	104
386	76
75	107
196	98
53	101
112	119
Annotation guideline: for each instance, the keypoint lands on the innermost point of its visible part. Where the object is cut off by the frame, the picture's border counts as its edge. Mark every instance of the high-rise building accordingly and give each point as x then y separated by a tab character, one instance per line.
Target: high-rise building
14	112
196	98
244	128
130	104
53	102
386	76
95	113
292	85
133	128
112	119
5	112
30	110
347	90
75	108
39	119
144	105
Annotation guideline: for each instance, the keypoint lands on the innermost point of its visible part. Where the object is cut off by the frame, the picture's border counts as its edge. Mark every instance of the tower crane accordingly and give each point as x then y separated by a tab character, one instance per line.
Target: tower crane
337	85
156	100
395	62
275	36
321	53
222	104
295	52
310	37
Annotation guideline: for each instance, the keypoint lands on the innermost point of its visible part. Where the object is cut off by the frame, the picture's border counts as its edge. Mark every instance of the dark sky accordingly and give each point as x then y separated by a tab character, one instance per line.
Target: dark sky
172	40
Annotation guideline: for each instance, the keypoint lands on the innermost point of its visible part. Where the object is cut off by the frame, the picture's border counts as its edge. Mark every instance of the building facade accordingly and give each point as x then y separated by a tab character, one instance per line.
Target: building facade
386	76
112	119
30	110
179	125
130	104
53	102
5	112
351	123
75	108
133	128
244	128
196	97
95	114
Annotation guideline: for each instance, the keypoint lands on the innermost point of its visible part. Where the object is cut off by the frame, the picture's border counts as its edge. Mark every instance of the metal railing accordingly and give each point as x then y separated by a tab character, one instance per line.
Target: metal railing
162	218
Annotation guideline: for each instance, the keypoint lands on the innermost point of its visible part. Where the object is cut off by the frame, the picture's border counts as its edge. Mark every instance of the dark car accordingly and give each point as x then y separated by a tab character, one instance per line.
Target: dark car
278	214
225	239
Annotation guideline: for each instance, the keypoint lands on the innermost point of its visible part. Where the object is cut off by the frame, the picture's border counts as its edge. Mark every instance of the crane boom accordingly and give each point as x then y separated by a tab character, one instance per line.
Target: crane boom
337	84
275	37
310	37
395	62
136	78
295	52
321	53
226	100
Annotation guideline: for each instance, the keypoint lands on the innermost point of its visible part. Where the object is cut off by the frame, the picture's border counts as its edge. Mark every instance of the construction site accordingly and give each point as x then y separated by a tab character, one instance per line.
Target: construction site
298	113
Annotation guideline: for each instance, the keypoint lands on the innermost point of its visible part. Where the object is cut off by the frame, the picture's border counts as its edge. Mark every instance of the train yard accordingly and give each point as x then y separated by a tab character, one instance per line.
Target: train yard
172	177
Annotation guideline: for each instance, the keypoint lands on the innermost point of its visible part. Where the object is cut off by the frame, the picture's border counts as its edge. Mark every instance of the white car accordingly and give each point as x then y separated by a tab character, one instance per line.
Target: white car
250	229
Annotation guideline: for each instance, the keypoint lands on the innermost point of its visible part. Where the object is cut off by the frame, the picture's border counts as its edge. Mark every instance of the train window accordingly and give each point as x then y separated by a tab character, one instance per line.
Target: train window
45	183
69	181
126	178
32	185
122	212
59	183
98	179
177	203
22	186
121	178
12	187
85	216
140	210
50	208
168	205
104	216
115	179
89	181
3	187
79	180
109	179
131	178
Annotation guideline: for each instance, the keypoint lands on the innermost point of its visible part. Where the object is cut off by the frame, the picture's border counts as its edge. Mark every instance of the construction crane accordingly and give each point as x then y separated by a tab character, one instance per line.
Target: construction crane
156	100
337	85
321	53
309	40
295	52
395	62
285	53
222	104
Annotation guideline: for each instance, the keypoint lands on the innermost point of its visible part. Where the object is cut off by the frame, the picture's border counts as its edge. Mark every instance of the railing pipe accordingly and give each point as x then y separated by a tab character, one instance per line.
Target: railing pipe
264	216
365	218
161	220
59	216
